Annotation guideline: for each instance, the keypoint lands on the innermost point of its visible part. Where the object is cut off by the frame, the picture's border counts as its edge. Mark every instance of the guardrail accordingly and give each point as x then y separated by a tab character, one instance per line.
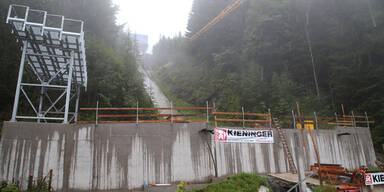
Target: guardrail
138	115
315	121
253	119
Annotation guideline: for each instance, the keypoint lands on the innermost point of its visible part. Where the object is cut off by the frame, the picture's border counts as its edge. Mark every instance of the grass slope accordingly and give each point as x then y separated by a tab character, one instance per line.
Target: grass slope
242	182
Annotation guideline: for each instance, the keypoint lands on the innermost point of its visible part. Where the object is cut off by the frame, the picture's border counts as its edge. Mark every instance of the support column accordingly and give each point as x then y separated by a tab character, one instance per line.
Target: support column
40	114
77	103
19	80
69	83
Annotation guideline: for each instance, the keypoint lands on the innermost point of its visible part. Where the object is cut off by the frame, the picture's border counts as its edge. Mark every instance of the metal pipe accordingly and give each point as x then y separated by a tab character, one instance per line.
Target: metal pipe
9	13
97	111
46	55
366	118
40	103
77	103
337	121
137	112
294	119
50	100
29	101
47	118
44	85
54	103
353	119
270	118
71	33
317	126
242	110
25	19
55	112
19	80
171	112
61	28
44	22
69	83
207	113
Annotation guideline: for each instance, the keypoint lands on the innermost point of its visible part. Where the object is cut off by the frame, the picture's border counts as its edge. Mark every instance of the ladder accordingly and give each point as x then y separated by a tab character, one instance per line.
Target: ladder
283	140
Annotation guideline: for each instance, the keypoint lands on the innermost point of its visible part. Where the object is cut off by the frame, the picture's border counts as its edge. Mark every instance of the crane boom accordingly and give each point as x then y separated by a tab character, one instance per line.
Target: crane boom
218	18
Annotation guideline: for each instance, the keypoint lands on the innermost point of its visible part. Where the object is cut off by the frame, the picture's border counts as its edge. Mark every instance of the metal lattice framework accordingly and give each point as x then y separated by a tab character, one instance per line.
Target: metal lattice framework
53	54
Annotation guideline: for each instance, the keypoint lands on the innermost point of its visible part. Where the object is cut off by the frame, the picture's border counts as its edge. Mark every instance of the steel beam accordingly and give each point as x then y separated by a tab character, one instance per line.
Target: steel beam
68	97
44	85
54	103
44	118
41	103
77	103
19	80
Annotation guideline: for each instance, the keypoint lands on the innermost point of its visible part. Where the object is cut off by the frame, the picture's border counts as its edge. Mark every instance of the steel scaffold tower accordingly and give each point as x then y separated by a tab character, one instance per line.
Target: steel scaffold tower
53	57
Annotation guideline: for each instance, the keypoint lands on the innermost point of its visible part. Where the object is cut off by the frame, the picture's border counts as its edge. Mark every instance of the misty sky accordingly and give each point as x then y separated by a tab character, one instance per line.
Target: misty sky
154	17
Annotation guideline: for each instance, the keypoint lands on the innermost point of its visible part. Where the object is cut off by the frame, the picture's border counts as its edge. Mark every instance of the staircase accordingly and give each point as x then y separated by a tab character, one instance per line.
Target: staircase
283	140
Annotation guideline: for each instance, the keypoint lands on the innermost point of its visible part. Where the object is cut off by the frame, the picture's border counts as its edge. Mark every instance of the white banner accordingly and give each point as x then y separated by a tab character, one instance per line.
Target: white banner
374	178
244	136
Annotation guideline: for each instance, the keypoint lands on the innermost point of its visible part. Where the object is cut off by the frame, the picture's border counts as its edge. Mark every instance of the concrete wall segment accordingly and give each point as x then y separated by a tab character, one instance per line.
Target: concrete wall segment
125	156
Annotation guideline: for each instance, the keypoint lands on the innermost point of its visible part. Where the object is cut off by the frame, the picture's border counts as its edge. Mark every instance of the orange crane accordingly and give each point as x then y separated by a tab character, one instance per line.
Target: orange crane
219	17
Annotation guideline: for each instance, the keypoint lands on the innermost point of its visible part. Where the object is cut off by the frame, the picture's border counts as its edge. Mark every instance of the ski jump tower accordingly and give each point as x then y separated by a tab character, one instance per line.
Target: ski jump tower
52	63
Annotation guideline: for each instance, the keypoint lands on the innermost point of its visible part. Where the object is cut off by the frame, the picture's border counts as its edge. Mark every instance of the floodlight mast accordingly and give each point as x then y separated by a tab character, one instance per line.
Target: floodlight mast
54	53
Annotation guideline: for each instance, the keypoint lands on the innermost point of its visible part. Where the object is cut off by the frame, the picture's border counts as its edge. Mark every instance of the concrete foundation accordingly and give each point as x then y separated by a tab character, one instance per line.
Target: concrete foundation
125	156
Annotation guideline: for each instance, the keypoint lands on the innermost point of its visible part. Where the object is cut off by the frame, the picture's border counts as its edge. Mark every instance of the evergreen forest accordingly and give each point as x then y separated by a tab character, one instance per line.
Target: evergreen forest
111	53
268	54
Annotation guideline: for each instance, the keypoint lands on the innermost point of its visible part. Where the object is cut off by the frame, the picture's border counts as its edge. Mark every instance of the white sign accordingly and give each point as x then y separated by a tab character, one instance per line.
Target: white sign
374	178
244	136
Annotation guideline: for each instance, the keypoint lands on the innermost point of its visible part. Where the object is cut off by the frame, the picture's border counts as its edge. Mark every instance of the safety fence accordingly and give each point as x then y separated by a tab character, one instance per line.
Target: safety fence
260	120
149	115
210	114
326	122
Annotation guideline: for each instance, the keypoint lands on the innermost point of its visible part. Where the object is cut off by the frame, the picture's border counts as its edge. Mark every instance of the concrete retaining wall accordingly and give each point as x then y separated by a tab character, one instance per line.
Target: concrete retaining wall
125	156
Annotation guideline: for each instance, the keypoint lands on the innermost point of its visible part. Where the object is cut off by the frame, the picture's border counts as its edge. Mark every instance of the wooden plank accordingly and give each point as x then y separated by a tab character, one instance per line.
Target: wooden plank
143	121
357	116
84	122
345	121
331	123
365	122
237	113
147	115
310	117
144	109
241	120
319	122
351	122
140	121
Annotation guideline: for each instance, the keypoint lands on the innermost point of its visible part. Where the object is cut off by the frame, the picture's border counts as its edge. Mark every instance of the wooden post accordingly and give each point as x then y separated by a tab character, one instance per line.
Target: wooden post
300	119
30	181
50	180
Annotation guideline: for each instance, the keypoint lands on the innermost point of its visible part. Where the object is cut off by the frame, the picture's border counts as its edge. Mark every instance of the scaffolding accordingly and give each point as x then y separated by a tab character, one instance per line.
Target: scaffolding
53	57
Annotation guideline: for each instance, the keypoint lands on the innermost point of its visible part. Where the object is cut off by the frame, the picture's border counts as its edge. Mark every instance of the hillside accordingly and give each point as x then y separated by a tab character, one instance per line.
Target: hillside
272	53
